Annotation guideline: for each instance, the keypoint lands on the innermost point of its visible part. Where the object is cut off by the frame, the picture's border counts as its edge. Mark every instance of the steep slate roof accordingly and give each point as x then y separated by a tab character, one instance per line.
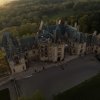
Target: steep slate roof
50	29
44	36
71	33
11	45
83	37
59	31
91	39
75	35
14	47
98	39
27	42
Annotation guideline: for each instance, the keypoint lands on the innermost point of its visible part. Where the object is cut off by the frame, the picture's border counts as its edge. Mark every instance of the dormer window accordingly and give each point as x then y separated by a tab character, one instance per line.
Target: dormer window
16	60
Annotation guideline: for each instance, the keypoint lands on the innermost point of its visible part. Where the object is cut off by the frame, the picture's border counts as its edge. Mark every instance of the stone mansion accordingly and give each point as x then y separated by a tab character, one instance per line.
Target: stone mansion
50	44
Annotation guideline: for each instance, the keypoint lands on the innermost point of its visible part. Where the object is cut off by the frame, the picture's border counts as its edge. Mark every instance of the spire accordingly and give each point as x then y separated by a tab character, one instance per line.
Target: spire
61	21
41	25
75	25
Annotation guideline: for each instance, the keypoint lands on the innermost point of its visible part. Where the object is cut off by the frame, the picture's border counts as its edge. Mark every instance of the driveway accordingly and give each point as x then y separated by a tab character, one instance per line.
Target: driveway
57	79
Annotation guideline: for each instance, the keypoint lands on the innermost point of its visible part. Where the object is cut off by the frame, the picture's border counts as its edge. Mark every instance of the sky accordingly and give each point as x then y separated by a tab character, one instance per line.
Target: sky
2	2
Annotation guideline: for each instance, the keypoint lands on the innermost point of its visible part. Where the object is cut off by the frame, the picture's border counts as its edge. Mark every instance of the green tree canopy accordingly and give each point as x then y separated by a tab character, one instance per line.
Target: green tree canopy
36	96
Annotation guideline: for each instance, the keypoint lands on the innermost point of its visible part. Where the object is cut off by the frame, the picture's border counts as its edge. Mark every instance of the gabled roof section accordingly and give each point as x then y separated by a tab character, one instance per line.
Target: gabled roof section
45	36
10	45
75	35
27	42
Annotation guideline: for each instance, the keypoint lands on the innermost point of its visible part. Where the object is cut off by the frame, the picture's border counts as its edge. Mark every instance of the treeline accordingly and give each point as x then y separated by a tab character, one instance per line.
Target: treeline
4	69
24	16
88	22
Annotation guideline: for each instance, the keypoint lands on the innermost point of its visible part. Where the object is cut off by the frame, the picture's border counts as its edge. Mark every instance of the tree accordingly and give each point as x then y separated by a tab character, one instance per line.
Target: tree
84	23
27	28
23	98
38	96
72	20
95	24
4	68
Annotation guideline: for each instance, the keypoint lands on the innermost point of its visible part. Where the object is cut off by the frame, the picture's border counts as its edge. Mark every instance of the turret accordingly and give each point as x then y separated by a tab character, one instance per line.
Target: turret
76	26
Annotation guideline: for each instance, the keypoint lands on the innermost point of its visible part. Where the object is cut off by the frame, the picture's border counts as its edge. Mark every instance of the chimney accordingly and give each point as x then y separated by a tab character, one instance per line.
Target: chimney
95	33
75	25
62	22
59	22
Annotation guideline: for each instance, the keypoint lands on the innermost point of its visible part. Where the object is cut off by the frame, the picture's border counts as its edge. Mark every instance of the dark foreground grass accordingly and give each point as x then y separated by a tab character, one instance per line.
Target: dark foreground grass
88	90
4	94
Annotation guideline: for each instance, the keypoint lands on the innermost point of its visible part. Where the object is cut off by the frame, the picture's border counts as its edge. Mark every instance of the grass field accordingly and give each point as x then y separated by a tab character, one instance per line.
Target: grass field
88	90
4	94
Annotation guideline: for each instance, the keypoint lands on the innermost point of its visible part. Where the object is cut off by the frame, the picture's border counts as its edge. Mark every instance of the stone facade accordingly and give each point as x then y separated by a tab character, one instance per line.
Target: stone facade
76	48
48	45
93	44
56	52
98	46
51	52
17	66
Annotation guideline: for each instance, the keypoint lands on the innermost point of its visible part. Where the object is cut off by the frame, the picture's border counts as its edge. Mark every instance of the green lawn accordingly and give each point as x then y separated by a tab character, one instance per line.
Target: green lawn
4	94
88	90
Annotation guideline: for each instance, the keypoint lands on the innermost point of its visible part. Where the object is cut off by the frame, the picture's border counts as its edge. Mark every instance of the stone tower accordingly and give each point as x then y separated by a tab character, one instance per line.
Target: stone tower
13	53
